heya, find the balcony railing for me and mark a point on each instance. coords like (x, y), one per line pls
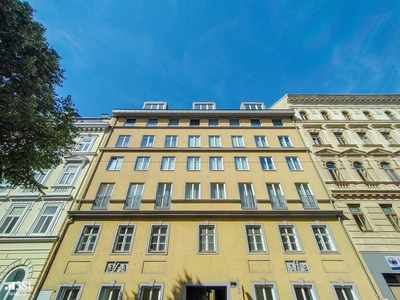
(101, 201)
(309, 201)
(248, 201)
(162, 201)
(133, 201)
(278, 202)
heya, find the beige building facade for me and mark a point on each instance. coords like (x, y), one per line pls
(30, 221)
(355, 143)
(205, 203)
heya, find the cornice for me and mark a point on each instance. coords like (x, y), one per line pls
(186, 149)
(359, 99)
(27, 239)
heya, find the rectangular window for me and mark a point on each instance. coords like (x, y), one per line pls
(216, 163)
(142, 163)
(88, 239)
(46, 218)
(316, 139)
(194, 122)
(285, 141)
(147, 141)
(150, 292)
(84, 144)
(241, 163)
(103, 195)
(130, 122)
(267, 163)
(323, 237)
(155, 105)
(264, 291)
(339, 137)
(158, 239)
(391, 216)
(41, 176)
(69, 174)
(13, 217)
(66, 292)
(152, 122)
(293, 163)
(203, 105)
(123, 141)
(115, 163)
(124, 239)
(207, 238)
(193, 163)
(134, 195)
(260, 141)
(213, 122)
(306, 196)
(252, 106)
(277, 122)
(246, 194)
(345, 291)
(234, 122)
(217, 190)
(289, 238)
(275, 194)
(214, 141)
(359, 217)
(364, 138)
(194, 141)
(304, 292)
(192, 191)
(237, 141)
(173, 122)
(255, 238)
(255, 122)
(163, 195)
(388, 137)
(168, 163)
(171, 141)
(110, 292)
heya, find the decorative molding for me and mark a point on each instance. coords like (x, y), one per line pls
(293, 266)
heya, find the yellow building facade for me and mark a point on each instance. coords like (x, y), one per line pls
(30, 221)
(205, 203)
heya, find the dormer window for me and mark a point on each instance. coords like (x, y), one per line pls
(252, 105)
(203, 105)
(155, 105)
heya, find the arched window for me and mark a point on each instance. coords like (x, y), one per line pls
(361, 171)
(304, 116)
(10, 285)
(333, 171)
(390, 172)
(325, 115)
(390, 115)
(346, 115)
(368, 115)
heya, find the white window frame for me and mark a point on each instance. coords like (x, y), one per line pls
(265, 284)
(322, 239)
(364, 138)
(167, 163)
(123, 141)
(60, 295)
(115, 163)
(360, 218)
(203, 105)
(302, 285)
(42, 175)
(9, 217)
(252, 105)
(11, 283)
(121, 232)
(85, 143)
(193, 163)
(163, 195)
(70, 178)
(306, 195)
(340, 138)
(142, 163)
(316, 138)
(255, 238)
(241, 163)
(345, 285)
(237, 141)
(194, 141)
(113, 286)
(45, 217)
(219, 193)
(134, 195)
(246, 195)
(192, 190)
(289, 238)
(210, 238)
(214, 141)
(103, 196)
(276, 192)
(261, 141)
(154, 105)
(267, 163)
(285, 141)
(147, 141)
(90, 235)
(216, 163)
(171, 141)
(152, 285)
(159, 237)
(293, 163)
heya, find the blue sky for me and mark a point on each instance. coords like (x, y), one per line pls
(118, 54)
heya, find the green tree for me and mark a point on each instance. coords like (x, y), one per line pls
(36, 125)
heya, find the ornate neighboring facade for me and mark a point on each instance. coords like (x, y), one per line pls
(355, 143)
(30, 221)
